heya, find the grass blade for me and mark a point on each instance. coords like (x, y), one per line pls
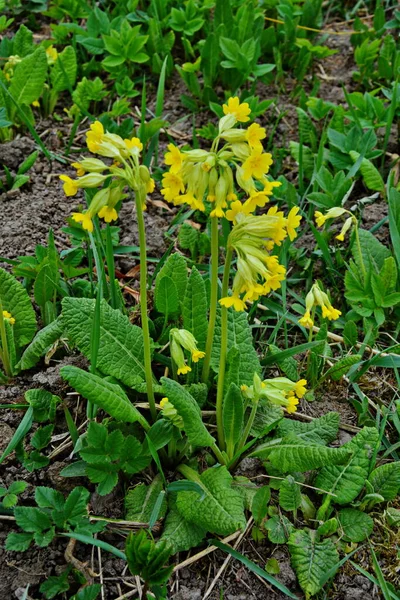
(19, 434)
(254, 568)
(86, 539)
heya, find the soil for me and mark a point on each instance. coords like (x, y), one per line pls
(29, 213)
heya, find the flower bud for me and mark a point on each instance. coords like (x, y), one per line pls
(234, 135)
(227, 122)
(144, 174)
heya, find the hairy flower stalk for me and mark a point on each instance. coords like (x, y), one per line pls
(125, 171)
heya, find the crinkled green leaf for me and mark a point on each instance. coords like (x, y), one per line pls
(295, 454)
(194, 309)
(356, 525)
(289, 494)
(259, 505)
(342, 366)
(189, 410)
(108, 396)
(29, 77)
(175, 268)
(63, 73)
(16, 301)
(121, 344)
(348, 480)
(311, 559)
(140, 501)
(232, 415)
(372, 250)
(240, 337)
(279, 529)
(322, 430)
(371, 176)
(385, 480)
(178, 532)
(220, 510)
(40, 344)
(166, 297)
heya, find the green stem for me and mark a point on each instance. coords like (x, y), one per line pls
(111, 267)
(188, 473)
(359, 251)
(224, 349)
(248, 427)
(4, 344)
(213, 298)
(139, 197)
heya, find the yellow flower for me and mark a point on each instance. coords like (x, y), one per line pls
(94, 137)
(256, 199)
(240, 111)
(163, 402)
(306, 320)
(36, 103)
(150, 186)
(254, 134)
(300, 388)
(108, 213)
(79, 169)
(197, 354)
(234, 209)
(328, 312)
(51, 54)
(292, 404)
(7, 315)
(85, 219)
(183, 370)
(70, 186)
(292, 222)
(190, 198)
(234, 301)
(133, 143)
(174, 158)
(172, 186)
(319, 218)
(257, 164)
(346, 226)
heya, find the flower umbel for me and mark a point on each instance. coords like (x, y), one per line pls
(317, 297)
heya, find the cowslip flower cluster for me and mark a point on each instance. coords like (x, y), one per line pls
(8, 317)
(316, 297)
(198, 177)
(125, 170)
(334, 213)
(181, 340)
(252, 238)
(280, 391)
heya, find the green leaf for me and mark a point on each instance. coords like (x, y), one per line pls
(385, 480)
(106, 395)
(194, 308)
(350, 333)
(55, 585)
(347, 481)
(189, 410)
(342, 366)
(63, 73)
(140, 501)
(175, 268)
(31, 519)
(279, 529)
(322, 430)
(49, 498)
(371, 176)
(16, 301)
(311, 559)
(29, 77)
(220, 510)
(232, 416)
(328, 528)
(19, 434)
(393, 516)
(23, 42)
(18, 542)
(394, 222)
(356, 525)
(289, 494)
(373, 252)
(40, 344)
(88, 593)
(178, 532)
(239, 337)
(42, 436)
(121, 344)
(287, 365)
(166, 297)
(259, 505)
(43, 403)
(295, 454)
